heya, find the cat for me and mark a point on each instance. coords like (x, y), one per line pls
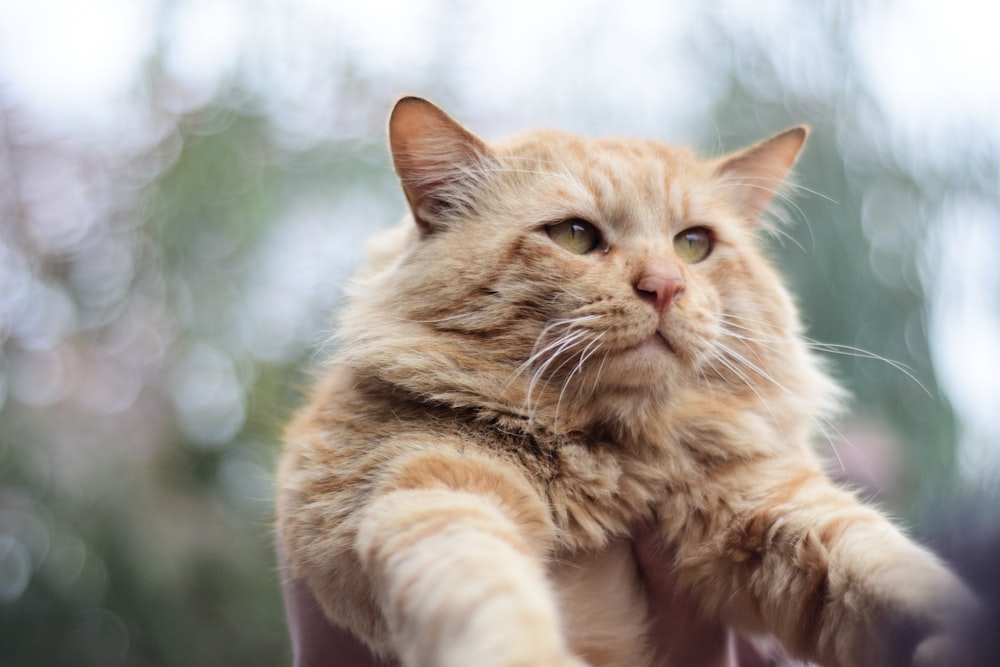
(566, 338)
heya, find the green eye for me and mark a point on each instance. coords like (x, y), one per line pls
(694, 244)
(577, 236)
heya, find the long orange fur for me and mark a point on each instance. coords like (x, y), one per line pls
(460, 487)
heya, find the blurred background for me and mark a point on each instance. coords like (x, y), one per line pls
(186, 184)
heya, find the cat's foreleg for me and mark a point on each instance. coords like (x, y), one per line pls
(830, 577)
(458, 582)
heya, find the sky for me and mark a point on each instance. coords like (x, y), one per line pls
(935, 68)
(936, 64)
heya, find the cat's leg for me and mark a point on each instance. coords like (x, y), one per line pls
(458, 569)
(830, 577)
(605, 608)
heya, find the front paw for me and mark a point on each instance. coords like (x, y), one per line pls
(945, 651)
(565, 660)
(929, 624)
(949, 643)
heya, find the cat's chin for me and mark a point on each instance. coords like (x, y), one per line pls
(642, 365)
(657, 343)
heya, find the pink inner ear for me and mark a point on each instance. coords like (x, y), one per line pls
(756, 174)
(432, 154)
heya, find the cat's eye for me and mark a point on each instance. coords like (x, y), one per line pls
(694, 244)
(576, 235)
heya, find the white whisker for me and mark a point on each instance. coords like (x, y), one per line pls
(732, 366)
(560, 342)
(585, 354)
(552, 352)
(831, 348)
(859, 353)
(739, 358)
(443, 319)
(777, 190)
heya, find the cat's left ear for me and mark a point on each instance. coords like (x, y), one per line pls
(753, 176)
(438, 161)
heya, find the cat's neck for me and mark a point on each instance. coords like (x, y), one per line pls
(625, 417)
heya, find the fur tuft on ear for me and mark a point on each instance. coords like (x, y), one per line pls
(753, 176)
(437, 160)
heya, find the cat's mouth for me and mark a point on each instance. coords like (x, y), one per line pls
(658, 341)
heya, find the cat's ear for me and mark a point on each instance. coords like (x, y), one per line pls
(437, 160)
(753, 176)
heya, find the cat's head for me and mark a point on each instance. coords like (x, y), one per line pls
(550, 273)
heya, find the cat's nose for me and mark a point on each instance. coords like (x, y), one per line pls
(661, 286)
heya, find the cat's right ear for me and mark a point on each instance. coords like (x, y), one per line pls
(438, 161)
(753, 176)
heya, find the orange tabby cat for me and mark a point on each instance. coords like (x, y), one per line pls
(566, 338)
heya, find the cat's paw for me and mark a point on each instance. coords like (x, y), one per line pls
(944, 651)
(558, 661)
(927, 625)
(568, 661)
(948, 644)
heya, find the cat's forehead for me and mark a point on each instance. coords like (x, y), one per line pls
(622, 179)
(569, 151)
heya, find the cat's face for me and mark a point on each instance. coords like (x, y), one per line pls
(566, 267)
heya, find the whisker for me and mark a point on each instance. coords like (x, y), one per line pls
(746, 340)
(751, 366)
(860, 353)
(756, 337)
(561, 342)
(536, 352)
(600, 369)
(822, 426)
(557, 348)
(585, 354)
(746, 381)
(443, 319)
(831, 348)
(778, 192)
(784, 184)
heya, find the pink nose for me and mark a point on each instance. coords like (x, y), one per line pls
(661, 286)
